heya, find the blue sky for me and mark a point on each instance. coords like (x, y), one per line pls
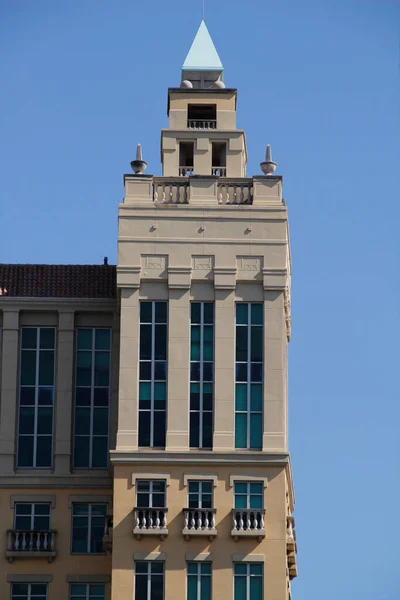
(83, 82)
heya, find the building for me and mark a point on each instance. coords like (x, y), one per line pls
(143, 415)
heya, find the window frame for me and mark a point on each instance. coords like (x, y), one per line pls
(201, 382)
(153, 381)
(29, 594)
(92, 388)
(249, 381)
(200, 493)
(149, 574)
(88, 595)
(248, 494)
(151, 492)
(248, 576)
(89, 528)
(32, 515)
(198, 577)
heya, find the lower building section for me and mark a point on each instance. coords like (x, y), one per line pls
(52, 544)
(199, 532)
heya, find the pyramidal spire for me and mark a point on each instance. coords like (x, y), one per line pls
(203, 55)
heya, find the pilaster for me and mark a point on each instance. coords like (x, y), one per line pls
(64, 392)
(9, 389)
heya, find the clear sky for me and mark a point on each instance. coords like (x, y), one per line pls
(83, 82)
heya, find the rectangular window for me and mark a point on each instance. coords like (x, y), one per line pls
(248, 581)
(29, 591)
(249, 376)
(200, 494)
(199, 581)
(36, 397)
(149, 580)
(88, 528)
(249, 495)
(150, 494)
(153, 374)
(87, 591)
(92, 398)
(32, 517)
(201, 375)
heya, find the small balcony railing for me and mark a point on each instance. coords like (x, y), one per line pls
(150, 521)
(218, 171)
(186, 171)
(235, 191)
(200, 124)
(108, 534)
(248, 523)
(171, 190)
(30, 544)
(199, 522)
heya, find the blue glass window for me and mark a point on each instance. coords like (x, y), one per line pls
(149, 580)
(201, 375)
(88, 528)
(248, 581)
(198, 581)
(87, 591)
(92, 398)
(29, 591)
(153, 374)
(249, 376)
(36, 397)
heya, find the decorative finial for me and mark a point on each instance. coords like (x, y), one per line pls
(268, 166)
(139, 165)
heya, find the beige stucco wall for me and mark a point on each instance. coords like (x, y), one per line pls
(64, 563)
(272, 548)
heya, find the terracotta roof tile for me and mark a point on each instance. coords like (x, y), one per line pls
(58, 281)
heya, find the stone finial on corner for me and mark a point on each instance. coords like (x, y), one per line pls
(268, 166)
(139, 165)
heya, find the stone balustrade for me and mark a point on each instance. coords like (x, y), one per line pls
(150, 521)
(248, 522)
(199, 521)
(31, 543)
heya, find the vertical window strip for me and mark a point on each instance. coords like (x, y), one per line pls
(199, 581)
(88, 528)
(249, 376)
(149, 580)
(36, 398)
(153, 374)
(92, 397)
(248, 580)
(202, 375)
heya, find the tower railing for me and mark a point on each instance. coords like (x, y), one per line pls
(176, 190)
(200, 124)
(218, 171)
(235, 191)
(171, 190)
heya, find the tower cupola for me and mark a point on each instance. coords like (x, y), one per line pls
(202, 68)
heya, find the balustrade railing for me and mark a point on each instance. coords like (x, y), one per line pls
(150, 519)
(186, 171)
(218, 171)
(248, 520)
(200, 124)
(235, 192)
(199, 519)
(31, 541)
(171, 191)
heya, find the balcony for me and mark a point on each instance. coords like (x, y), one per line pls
(31, 544)
(199, 522)
(108, 534)
(150, 521)
(201, 124)
(218, 171)
(248, 523)
(291, 547)
(176, 190)
(186, 171)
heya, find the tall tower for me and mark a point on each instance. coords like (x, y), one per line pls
(203, 495)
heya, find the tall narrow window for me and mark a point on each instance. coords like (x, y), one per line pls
(92, 398)
(201, 375)
(149, 580)
(249, 376)
(199, 581)
(29, 591)
(153, 374)
(248, 581)
(88, 528)
(87, 591)
(36, 397)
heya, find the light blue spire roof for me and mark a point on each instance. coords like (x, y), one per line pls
(203, 55)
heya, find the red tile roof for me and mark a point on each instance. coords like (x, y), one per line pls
(58, 281)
